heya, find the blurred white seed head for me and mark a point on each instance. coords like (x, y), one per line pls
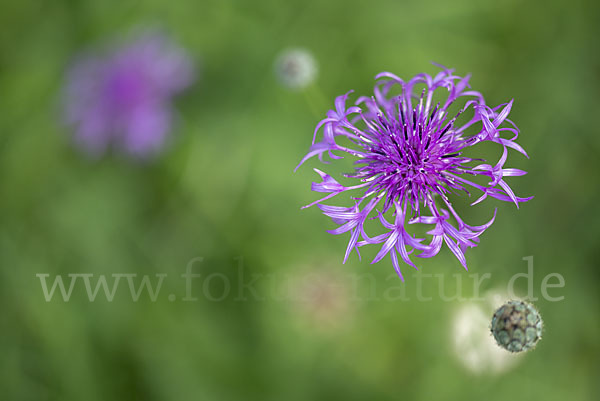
(296, 68)
(473, 344)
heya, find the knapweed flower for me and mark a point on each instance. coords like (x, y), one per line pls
(121, 98)
(517, 326)
(411, 154)
(296, 68)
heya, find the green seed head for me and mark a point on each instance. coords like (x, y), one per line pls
(517, 326)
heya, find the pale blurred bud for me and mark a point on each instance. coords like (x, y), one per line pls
(296, 68)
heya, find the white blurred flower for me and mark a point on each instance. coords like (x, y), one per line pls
(296, 68)
(472, 340)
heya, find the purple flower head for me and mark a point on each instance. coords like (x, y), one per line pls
(121, 98)
(410, 141)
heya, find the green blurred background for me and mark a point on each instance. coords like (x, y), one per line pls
(225, 191)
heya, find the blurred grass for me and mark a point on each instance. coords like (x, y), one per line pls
(225, 190)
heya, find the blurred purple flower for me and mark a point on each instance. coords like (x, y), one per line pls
(409, 158)
(122, 97)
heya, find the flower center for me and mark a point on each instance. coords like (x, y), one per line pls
(409, 157)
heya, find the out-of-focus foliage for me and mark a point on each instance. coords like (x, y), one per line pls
(277, 316)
